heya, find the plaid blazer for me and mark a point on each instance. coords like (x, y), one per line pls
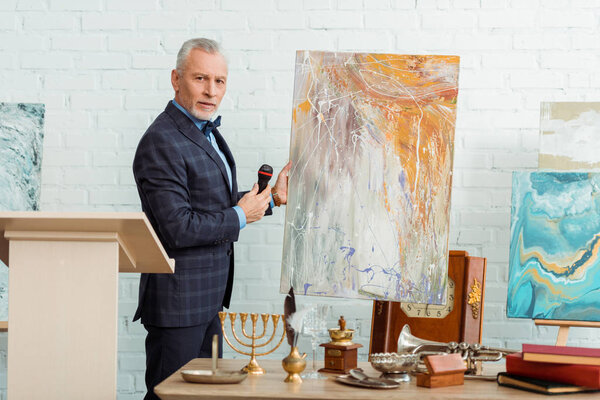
(184, 191)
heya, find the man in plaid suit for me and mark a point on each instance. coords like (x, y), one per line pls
(186, 179)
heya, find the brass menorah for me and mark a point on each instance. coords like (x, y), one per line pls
(252, 367)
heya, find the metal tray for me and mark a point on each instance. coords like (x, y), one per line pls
(207, 376)
(372, 383)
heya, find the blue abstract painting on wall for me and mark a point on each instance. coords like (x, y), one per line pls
(554, 250)
(21, 136)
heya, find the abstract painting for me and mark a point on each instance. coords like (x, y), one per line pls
(554, 268)
(21, 136)
(570, 136)
(369, 191)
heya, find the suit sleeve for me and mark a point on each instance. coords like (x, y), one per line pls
(161, 177)
(240, 195)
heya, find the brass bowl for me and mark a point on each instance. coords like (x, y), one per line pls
(340, 337)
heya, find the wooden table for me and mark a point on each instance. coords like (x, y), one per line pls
(271, 386)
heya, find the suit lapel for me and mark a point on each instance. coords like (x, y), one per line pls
(191, 131)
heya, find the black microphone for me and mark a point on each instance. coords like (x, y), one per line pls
(265, 172)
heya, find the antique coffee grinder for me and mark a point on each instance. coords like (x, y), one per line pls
(340, 353)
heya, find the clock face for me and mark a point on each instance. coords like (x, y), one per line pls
(431, 310)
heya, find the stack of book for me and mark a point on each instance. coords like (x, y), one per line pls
(553, 369)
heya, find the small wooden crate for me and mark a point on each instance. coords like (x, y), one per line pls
(443, 370)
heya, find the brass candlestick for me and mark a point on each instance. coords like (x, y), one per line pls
(252, 367)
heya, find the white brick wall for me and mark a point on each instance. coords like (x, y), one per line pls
(102, 68)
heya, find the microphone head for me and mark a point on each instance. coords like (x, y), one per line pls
(266, 169)
(265, 172)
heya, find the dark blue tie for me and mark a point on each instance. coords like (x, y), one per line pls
(210, 125)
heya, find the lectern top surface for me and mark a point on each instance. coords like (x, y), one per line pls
(137, 239)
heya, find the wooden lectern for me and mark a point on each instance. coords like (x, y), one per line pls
(63, 298)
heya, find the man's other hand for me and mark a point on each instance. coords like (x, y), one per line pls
(281, 185)
(255, 204)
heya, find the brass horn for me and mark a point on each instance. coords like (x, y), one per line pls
(408, 343)
(473, 354)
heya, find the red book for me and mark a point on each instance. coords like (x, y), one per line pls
(561, 350)
(580, 375)
(561, 354)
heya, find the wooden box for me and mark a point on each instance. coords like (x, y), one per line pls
(443, 370)
(340, 359)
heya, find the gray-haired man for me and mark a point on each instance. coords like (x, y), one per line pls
(186, 179)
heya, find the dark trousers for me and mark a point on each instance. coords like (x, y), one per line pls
(168, 349)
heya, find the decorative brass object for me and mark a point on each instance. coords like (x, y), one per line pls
(473, 354)
(341, 336)
(293, 364)
(475, 298)
(215, 375)
(341, 354)
(252, 368)
(334, 353)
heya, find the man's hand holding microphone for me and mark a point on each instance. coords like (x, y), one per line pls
(256, 201)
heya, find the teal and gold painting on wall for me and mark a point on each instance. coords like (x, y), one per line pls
(555, 242)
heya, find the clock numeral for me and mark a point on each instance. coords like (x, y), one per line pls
(415, 310)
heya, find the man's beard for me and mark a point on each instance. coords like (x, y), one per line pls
(197, 114)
